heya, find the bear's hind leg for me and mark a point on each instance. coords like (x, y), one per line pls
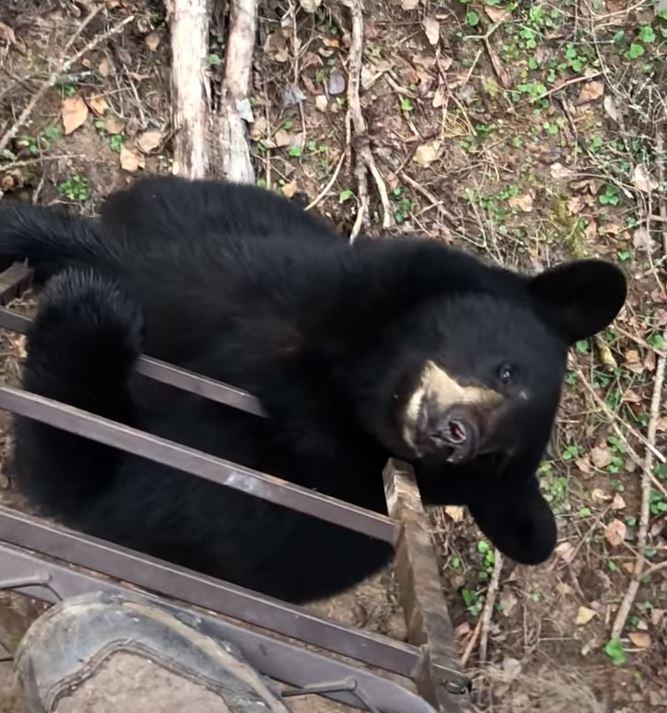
(82, 348)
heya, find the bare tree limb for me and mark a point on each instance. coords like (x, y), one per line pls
(189, 21)
(235, 105)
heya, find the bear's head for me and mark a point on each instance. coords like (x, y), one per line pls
(466, 384)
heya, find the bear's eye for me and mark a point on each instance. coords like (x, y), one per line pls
(506, 374)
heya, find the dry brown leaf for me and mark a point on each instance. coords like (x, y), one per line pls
(575, 205)
(591, 91)
(310, 5)
(599, 496)
(584, 464)
(282, 138)
(584, 615)
(615, 532)
(610, 107)
(439, 97)
(456, 512)
(560, 172)
(275, 46)
(565, 552)
(131, 160)
(98, 105)
(462, 630)
(74, 112)
(432, 29)
(321, 102)
(642, 179)
(149, 140)
(497, 14)
(427, 153)
(523, 203)
(617, 503)
(641, 240)
(606, 357)
(152, 41)
(7, 34)
(113, 125)
(104, 68)
(289, 189)
(640, 639)
(408, 5)
(601, 456)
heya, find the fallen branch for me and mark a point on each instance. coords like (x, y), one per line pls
(642, 534)
(489, 603)
(364, 160)
(64, 66)
(235, 104)
(189, 23)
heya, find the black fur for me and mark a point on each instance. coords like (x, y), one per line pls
(242, 286)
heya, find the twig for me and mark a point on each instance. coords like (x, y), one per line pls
(430, 197)
(236, 162)
(64, 66)
(472, 642)
(365, 162)
(574, 80)
(615, 417)
(324, 192)
(489, 602)
(642, 534)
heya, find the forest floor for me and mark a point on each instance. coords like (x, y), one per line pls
(529, 132)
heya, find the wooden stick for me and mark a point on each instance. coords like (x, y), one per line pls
(189, 20)
(235, 153)
(642, 534)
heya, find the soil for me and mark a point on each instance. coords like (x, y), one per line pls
(527, 132)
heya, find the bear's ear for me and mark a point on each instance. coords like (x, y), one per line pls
(579, 298)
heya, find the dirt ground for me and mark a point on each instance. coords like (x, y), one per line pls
(528, 131)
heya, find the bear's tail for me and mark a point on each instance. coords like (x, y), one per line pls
(48, 239)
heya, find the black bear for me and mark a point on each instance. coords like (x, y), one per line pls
(393, 346)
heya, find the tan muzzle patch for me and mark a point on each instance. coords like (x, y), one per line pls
(441, 391)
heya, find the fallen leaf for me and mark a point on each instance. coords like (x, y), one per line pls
(584, 615)
(610, 107)
(275, 46)
(104, 68)
(113, 125)
(497, 14)
(336, 84)
(584, 464)
(424, 61)
(565, 552)
(599, 496)
(149, 140)
(432, 29)
(615, 532)
(640, 639)
(132, 127)
(606, 357)
(641, 240)
(456, 512)
(601, 456)
(590, 91)
(439, 97)
(642, 179)
(292, 95)
(617, 503)
(152, 41)
(74, 112)
(310, 5)
(462, 630)
(7, 34)
(282, 138)
(98, 105)
(575, 205)
(130, 160)
(523, 203)
(289, 189)
(321, 102)
(508, 601)
(409, 4)
(427, 153)
(560, 172)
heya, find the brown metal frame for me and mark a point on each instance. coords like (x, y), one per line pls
(28, 547)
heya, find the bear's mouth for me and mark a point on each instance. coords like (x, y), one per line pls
(453, 436)
(443, 419)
